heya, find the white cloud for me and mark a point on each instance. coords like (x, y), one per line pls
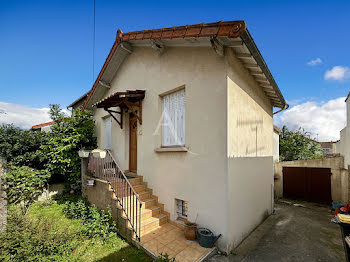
(324, 119)
(315, 62)
(23, 116)
(337, 73)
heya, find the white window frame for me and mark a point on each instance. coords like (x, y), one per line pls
(107, 129)
(174, 118)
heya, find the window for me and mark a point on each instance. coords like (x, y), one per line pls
(181, 208)
(173, 119)
(108, 132)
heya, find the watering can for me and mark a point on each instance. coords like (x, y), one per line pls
(206, 238)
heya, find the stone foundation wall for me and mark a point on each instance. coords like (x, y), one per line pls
(101, 195)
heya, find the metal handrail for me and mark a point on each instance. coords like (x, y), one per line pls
(108, 169)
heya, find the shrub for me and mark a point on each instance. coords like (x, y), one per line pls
(27, 239)
(297, 145)
(95, 223)
(68, 135)
(22, 147)
(23, 185)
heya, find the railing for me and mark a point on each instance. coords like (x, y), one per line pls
(108, 169)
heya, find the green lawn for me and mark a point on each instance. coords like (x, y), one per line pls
(85, 248)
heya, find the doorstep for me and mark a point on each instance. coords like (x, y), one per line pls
(170, 239)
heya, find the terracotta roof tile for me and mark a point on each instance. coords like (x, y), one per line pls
(44, 124)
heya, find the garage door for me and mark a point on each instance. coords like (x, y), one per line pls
(307, 183)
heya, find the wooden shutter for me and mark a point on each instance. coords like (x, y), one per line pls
(108, 132)
(173, 124)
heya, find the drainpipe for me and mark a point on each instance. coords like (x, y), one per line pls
(284, 108)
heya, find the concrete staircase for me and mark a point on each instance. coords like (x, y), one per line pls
(152, 212)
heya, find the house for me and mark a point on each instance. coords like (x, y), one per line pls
(327, 147)
(46, 127)
(78, 103)
(343, 145)
(188, 111)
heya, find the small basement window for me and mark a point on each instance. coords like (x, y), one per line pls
(181, 208)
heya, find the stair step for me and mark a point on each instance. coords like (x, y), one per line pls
(145, 194)
(153, 222)
(136, 181)
(146, 213)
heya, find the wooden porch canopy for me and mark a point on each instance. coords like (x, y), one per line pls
(130, 100)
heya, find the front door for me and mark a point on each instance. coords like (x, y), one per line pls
(133, 143)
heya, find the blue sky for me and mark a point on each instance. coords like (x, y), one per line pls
(46, 46)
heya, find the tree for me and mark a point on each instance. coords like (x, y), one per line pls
(68, 135)
(297, 145)
(22, 147)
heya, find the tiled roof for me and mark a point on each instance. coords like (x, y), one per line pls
(229, 29)
(44, 124)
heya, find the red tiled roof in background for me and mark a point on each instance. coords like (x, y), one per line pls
(44, 124)
(231, 29)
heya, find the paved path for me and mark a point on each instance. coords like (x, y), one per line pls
(294, 233)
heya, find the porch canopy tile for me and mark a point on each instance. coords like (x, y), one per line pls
(124, 100)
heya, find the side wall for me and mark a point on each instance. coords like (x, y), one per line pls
(250, 195)
(249, 152)
(339, 179)
(343, 145)
(276, 147)
(250, 122)
(198, 176)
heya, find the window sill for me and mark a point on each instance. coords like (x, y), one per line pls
(171, 149)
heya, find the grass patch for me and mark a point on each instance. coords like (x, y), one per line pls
(47, 225)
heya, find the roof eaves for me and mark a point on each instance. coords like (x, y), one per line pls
(249, 42)
(79, 99)
(231, 29)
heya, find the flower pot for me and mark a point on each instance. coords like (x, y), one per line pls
(190, 231)
(99, 153)
(84, 153)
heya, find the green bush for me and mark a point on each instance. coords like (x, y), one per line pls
(95, 223)
(68, 135)
(56, 151)
(297, 145)
(23, 185)
(22, 147)
(29, 239)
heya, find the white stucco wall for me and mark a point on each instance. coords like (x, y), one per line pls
(198, 176)
(250, 195)
(276, 147)
(249, 152)
(227, 116)
(343, 145)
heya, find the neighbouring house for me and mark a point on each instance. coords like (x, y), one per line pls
(187, 114)
(46, 127)
(276, 144)
(78, 103)
(328, 148)
(343, 145)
